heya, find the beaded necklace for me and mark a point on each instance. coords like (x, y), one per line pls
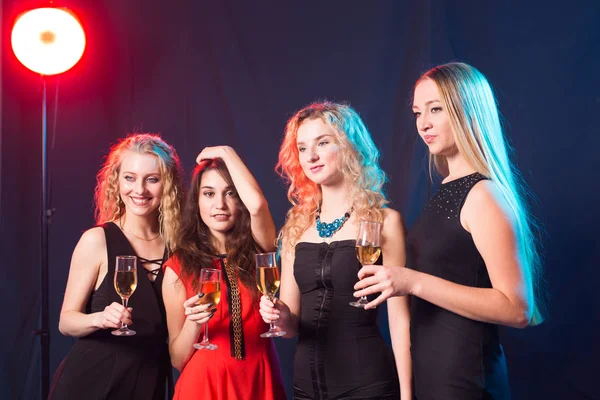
(327, 230)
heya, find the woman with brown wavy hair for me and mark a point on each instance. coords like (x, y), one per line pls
(225, 222)
(137, 211)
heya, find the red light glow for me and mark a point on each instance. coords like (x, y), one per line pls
(48, 41)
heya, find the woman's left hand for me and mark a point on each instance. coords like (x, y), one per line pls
(198, 313)
(209, 153)
(389, 281)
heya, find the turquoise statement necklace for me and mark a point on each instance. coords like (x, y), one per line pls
(327, 230)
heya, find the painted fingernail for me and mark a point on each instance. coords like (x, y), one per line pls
(211, 315)
(213, 310)
(200, 295)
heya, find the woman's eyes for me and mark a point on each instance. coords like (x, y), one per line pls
(433, 110)
(229, 193)
(322, 143)
(151, 179)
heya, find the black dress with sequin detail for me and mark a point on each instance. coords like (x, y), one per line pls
(101, 366)
(453, 357)
(340, 353)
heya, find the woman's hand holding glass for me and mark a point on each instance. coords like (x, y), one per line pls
(125, 282)
(198, 313)
(368, 250)
(210, 295)
(113, 316)
(267, 281)
(273, 311)
(386, 281)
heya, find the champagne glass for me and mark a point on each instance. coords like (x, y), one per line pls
(267, 280)
(210, 288)
(125, 284)
(368, 249)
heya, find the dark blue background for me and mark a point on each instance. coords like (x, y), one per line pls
(231, 72)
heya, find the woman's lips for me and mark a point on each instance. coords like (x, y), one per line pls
(221, 217)
(429, 138)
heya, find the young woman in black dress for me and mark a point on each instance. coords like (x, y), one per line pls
(331, 164)
(471, 257)
(137, 198)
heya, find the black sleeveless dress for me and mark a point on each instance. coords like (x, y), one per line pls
(453, 357)
(103, 366)
(340, 353)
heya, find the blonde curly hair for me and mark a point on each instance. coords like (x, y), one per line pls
(359, 164)
(108, 204)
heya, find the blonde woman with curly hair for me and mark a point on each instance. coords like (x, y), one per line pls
(331, 164)
(471, 254)
(137, 198)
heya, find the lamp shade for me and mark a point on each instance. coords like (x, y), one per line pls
(48, 41)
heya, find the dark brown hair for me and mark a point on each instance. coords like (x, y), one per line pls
(195, 243)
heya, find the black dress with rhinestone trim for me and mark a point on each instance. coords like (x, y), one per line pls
(340, 352)
(101, 366)
(453, 357)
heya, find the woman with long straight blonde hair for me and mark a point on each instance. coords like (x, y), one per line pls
(472, 262)
(332, 167)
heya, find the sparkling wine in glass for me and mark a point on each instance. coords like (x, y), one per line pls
(210, 288)
(125, 284)
(368, 250)
(268, 281)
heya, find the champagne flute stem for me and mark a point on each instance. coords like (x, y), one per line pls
(272, 324)
(205, 339)
(125, 301)
(363, 299)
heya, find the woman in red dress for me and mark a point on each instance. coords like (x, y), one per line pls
(225, 222)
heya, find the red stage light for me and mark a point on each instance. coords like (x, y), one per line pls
(48, 41)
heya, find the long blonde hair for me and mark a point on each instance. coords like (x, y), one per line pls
(469, 100)
(110, 207)
(359, 165)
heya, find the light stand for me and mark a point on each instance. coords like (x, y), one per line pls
(46, 215)
(48, 41)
